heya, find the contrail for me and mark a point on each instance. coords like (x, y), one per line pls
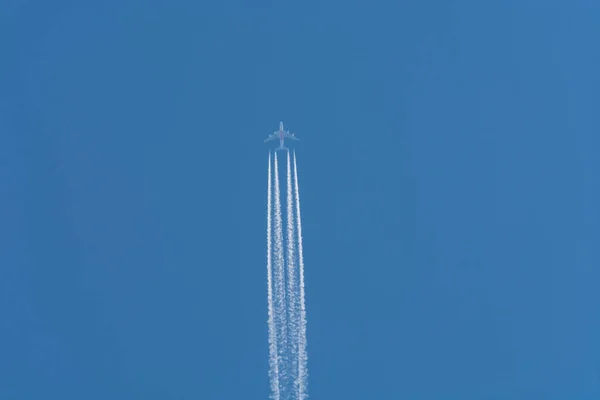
(302, 356)
(273, 357)
(280, 309)
(288, 371)
(291, 281)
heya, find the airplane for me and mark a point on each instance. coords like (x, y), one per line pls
(281, 135)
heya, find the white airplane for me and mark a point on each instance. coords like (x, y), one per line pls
(281, 135)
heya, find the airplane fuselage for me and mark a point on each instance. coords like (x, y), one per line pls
(281, 138)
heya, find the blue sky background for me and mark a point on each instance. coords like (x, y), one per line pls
(449, 184)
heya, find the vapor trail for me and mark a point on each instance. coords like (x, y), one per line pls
(291, 281)
(273, 357)
(302, 355)
(280, 309)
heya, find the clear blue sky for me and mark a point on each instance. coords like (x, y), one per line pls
(449, 178)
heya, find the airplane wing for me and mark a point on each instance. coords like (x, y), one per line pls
(272, 136)
(290, 136)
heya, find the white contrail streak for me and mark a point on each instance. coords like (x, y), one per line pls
(273, 357)
(288, 371)
(291, 281)
(280, 309)
(302, 355)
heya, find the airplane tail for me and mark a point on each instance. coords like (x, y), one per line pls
(281, 148)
